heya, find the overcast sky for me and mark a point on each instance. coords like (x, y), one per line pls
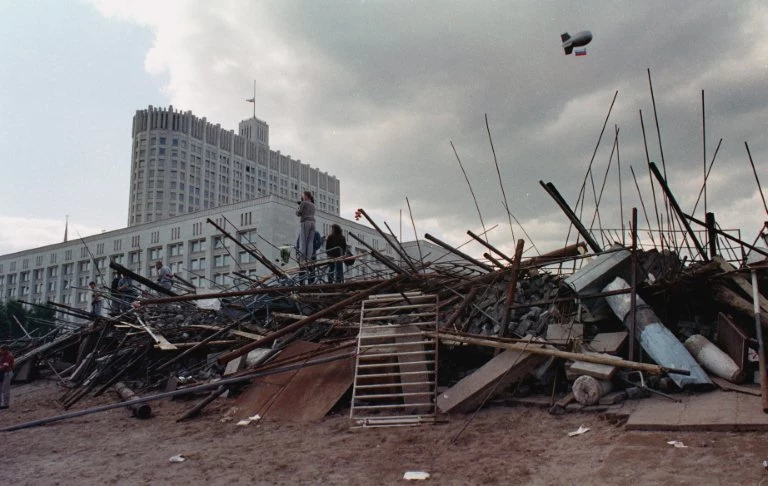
(374, 93)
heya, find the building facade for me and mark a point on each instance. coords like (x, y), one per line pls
(181, 164)
(193, 248)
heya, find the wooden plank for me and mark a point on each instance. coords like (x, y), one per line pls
(245, 334)
(713, 411)
(302, 395)
(163, 343)
(313, 391)
(726, 385)
(502, 370)
(258, 397)
(599, 371)
(234, 366)
(562, 333)
(608, 342)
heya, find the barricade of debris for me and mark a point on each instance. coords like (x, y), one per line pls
(584, 323)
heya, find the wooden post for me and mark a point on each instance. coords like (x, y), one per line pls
(633, 296)
(760, 344)
(511, 287)
(140, 410)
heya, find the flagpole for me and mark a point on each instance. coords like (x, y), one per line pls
(254, 98)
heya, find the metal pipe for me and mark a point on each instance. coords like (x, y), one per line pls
(633, 295)
(456, 252)
(553, 192)
(160, 396)
(676, 208)
(489, 246)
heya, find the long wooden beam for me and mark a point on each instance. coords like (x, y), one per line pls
(589, 358)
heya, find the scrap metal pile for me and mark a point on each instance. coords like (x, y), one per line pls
(559, 325)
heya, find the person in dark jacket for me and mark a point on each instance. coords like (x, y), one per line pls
(6, 374)
(336, 247)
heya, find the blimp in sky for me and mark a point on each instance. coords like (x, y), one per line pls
(579, 39)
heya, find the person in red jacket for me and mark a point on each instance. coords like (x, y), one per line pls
(6, 370)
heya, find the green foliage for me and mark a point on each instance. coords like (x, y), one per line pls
(10, 330)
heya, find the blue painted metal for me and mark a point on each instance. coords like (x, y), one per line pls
(657, 341)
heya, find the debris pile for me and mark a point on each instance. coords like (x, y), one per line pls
(413, 340)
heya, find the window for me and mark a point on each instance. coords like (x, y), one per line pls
(100, 248)
(83, 252)
(176, 250)
(248, 238)
(68, 268)
(53, 272)
(218, 242)
(52, 260)
(221, 260)
(84, 266)
(52, 286)
(117, 245)
(196, 246)
(220, 277)
(155, 254)
(197, 264)
(134, 257)
(246, 257)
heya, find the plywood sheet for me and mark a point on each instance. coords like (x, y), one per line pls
(302, 395)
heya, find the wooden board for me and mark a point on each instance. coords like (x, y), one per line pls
(298, 395)
(715, 411)
(599, 371)
(506, 368)
(562, 333)
(313, 391)
(608, 342)
(726, 385)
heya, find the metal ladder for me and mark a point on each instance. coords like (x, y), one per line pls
(396, 366)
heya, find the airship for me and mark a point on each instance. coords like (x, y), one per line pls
(579, 39)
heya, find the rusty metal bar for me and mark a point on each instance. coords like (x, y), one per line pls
(489, 246)
(677, 210)
(383, 235)
(711, 233)
(553, 192)
(378, 256)
(633, 283)
(175, 393)
(261, 258)
(456, 252)
(242, 293)
(511, 287)
(490, 258)
(727, 236)
(462, 307)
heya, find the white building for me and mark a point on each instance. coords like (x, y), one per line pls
(192, 247)
(181, 164)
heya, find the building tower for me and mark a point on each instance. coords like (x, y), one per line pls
(182, 164)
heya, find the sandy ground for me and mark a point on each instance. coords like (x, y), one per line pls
(499, 445)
